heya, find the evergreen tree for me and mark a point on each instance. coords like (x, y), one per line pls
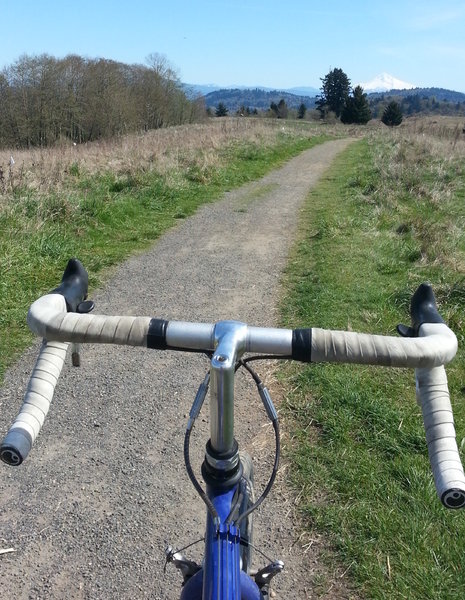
(279, 110)
(222, 110)
(392, 114)
(301, 112)
(334, 92)
(282, 109)
(356, 108)
(274, 109)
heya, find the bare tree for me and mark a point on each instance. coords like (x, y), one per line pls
(43, 99)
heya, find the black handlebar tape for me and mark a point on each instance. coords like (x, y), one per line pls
(423, 308)
(156, 335)
(74, 284)
(302, 345)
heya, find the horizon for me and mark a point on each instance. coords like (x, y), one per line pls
(221, 41)
(214, 87)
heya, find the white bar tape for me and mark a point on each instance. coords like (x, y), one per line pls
(39, 394)
(48, 318)
(433, 397)
(437, 348)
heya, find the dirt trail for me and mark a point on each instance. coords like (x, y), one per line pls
(104, 489)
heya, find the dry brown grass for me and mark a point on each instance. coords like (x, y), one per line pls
(421, 145)
(163, 150)
(448, 129)
(419, 181)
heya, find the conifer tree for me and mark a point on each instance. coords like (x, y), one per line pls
(392, 114)
(356, 108)
(301, 112)
(334, 92)
(222, 110)
(282, 109)
(274, 109)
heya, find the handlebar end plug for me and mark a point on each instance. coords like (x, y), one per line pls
(15, 447)
(453, 498)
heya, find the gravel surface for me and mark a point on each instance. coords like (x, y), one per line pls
(104, 490)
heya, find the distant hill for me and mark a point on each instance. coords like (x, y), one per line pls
(413, 101)
(303, 91)
(440, 94)
(427, 101)
(193, 90)
(255, 99)
(196, 89)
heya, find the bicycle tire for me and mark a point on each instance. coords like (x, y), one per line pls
(248, 499)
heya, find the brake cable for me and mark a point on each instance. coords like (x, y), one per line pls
(272, 415)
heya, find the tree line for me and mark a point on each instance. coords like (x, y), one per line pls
(337, 99)
(278, 110)
(351, 106)
(44, 99)
(413, 104)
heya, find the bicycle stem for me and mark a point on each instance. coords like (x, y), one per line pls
(230, 343)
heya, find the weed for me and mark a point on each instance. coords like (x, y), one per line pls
(74, 169)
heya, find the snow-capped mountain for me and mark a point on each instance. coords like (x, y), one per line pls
(385, 82)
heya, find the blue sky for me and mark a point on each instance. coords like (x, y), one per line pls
(273, 43)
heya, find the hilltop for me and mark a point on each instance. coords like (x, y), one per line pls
(257, 98)
(414, 100)
(426, 101)
(440, 94)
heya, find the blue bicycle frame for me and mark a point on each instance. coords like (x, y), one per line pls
(221, 578)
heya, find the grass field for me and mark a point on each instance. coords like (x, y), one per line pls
(101, 202)
(388, 216)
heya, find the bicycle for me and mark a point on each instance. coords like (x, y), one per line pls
(63, 317)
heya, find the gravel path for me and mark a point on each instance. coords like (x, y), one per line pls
(104, 490)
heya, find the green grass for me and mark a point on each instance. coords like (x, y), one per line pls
(383, 220)
(103, 218)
